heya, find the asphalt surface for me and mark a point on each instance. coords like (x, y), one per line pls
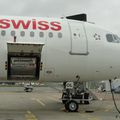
(44, 104)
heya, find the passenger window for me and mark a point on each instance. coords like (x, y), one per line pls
(59, 35)
(12, 33)
(3, 32)
(41, 34)
(50, 34)
(31, 34)
(22, 33)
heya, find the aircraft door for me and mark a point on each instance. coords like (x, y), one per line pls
(78, 39)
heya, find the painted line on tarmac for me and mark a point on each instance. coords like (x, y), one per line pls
(30, 116)
(89, 117)
(8, 92)
(54, 99)
(108, 108)
(62, 109)
(38, 101)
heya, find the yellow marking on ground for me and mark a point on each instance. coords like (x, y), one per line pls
(28, 112)
(30, 116)
(93, 118)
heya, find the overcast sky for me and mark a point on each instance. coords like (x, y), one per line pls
(105, 13)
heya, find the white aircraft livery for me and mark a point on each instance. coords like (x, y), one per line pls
(49, 49)
(57, 50)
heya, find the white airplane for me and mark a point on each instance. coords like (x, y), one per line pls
(57, 50)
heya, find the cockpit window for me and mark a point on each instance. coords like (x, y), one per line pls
(113, 38)
(109, 38)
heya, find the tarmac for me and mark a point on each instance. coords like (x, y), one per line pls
(44, 103)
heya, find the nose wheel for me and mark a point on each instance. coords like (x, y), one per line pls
(71, 106)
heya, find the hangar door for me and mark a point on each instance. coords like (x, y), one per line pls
(24, 61)
(78, 39)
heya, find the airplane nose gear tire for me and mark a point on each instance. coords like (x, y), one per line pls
(71, 106)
